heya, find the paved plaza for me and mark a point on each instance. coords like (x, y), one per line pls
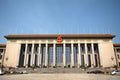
(60, 76)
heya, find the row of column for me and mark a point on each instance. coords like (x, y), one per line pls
(39, 62)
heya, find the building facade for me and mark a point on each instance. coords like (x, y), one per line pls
(117, 53)
(63, 50)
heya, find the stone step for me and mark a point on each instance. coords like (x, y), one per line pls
(56, 70)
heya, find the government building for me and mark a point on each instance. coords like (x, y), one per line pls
(60, 50)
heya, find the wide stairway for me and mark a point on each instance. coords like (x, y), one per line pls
(55, 70)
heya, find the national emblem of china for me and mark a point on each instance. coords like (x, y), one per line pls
(59, 39)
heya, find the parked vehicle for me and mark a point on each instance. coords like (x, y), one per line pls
(95, 71)
(1, 72)
(115, 72)
(16, 71)
(20, 72)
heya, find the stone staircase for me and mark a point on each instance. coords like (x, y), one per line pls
(58, 70)
(55, 70)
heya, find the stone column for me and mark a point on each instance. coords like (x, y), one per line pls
(39, 55)
(100, 55)
(27, 60)
(93, 55)
(18, 57)
(72, 56)
(33, 61)
(64, 55)
(46, 54)
(25, 54)
(79, 56)
(54, 56)
(86, 51)
(32, 52)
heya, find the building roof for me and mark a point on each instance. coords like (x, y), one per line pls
(116, 45)
(2, 45)
(34, 36)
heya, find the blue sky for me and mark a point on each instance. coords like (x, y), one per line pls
(60, 17)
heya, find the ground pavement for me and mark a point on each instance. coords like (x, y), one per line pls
(59, 76)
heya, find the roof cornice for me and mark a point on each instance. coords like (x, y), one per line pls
(38, 36)
(116, 45)
(2, 45)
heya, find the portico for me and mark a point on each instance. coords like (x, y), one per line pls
(59, 54)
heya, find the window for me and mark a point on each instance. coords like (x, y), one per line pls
(118, 50)
(82, 48)
(36, 48)
(95, 47)
(118, 56)
(0, 56)
(22, 48)
(29, 48)
(89, 47)
(68, 51)
(82, 60)
(1, 50)
(50, 54)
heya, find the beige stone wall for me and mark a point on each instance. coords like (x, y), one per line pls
(11, 55)
(107, 52)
